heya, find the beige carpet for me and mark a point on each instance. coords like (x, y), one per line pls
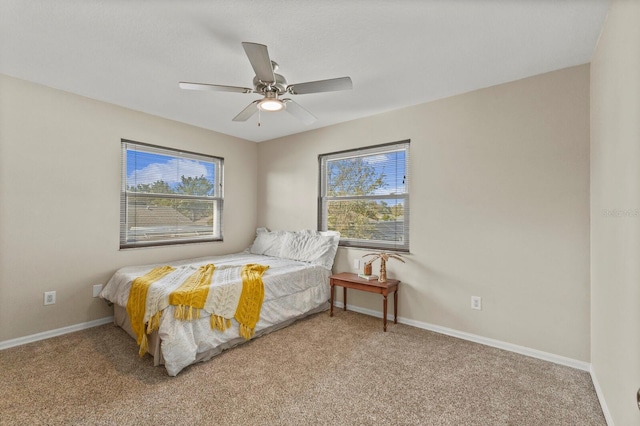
(336, 371)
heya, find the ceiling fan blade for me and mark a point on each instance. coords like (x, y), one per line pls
(260, 61)
(213, 87)
(330, 85)
(297, 111)
(246, 113)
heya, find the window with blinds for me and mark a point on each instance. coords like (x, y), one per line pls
(169, 196)
(364, 194)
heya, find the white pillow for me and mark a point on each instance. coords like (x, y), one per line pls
(307, 247)
(335, 234)
(328, 258)
(268, 243)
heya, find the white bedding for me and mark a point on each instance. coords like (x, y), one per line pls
(291, 288)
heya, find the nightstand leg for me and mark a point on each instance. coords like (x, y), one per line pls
(344, 296)
(384, 313)
(333, 292)
(395, 307)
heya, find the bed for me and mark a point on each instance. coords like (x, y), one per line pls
(296, 264)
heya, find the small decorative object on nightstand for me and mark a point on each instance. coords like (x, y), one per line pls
(384, 257)
(367, 268)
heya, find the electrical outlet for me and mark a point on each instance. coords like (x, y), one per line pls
(97, 289)
(476, 302)
(49, 297)
(356, 264)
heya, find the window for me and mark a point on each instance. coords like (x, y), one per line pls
(364, 194)
(169, 196)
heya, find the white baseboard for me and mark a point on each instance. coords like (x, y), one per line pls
(523, 350)
(53, 333)
(546, 356)
(603, 403)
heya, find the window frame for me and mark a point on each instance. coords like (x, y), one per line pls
(217, 200)
(323, 199)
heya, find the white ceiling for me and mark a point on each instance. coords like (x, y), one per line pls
(398, 53)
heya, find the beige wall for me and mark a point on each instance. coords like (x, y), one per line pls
(499, 208)
(615, 211)
(59, 201)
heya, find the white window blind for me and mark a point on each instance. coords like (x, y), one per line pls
(169, 196)
(364, 194)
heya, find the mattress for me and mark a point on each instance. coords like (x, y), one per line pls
(292, 289)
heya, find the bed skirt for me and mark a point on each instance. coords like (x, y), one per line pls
(121, 319)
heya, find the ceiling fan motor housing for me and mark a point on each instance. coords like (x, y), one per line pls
(279, 86)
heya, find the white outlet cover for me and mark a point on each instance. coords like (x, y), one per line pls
(476, 302)
(49, 297)
(97, 288)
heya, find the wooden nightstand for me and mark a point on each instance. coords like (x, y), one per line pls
(350, 280)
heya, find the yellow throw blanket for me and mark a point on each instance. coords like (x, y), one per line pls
(191, 296)
(250, 304)
(195, 295)
(137, 301)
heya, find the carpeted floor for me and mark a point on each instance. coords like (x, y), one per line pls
(331, 371)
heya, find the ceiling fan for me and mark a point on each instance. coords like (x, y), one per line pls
(273, 86)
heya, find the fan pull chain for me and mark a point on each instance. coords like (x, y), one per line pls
(259, 117)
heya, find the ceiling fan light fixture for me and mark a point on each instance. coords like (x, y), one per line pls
(271, 103)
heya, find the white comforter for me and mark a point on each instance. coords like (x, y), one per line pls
(291, 288)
